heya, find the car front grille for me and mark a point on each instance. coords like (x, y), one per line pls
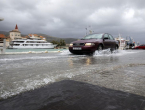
(78, 44)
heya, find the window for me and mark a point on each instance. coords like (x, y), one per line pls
(93, 36)
(111, 37)
(106, 36)
(16, 44)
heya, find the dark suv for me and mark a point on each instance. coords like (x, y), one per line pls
(90, 43)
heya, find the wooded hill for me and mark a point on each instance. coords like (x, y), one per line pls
(51, 38)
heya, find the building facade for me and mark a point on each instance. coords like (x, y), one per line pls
(15, 34)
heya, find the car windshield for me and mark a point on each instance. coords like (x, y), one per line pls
(93, 36)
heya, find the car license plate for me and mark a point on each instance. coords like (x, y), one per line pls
(77, 48)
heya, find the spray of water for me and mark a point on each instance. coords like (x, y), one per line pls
(104, 52)
(107, 52)
(65, 52)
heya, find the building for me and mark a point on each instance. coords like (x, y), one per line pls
(43, 38)
(15, 34)
(25, 37)
(35, 36)
(2, 36)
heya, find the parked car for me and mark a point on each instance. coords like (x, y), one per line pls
(90, 43)
(140, 47)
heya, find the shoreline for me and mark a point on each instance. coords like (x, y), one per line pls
(28, 51)
(32, 52)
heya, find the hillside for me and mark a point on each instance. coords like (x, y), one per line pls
(48, 37)
(51, 38)
(7, 33)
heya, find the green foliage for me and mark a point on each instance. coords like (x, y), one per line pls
(59, 43)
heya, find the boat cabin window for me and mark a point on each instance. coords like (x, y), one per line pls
(19, 41)
(16, 44)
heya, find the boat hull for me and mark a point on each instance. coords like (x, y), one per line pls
(32, 47)
(30, 44)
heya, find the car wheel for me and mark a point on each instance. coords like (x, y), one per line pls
(114, 50)
(116, 47)
(100, 48)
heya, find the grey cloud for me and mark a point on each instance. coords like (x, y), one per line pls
(69, 18)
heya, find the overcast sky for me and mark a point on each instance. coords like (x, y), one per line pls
(70, 18)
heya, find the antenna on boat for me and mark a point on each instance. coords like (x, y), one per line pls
(89, 29)
(86, 30)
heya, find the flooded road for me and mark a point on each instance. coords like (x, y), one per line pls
(62, 81)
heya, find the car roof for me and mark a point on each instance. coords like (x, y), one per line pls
(98, 33)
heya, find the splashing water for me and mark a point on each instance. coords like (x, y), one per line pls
(114, 52)
(65, 52)
(104, 52)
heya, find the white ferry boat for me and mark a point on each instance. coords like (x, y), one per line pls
(30, 43)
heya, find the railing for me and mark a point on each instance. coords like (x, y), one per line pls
(3, 46)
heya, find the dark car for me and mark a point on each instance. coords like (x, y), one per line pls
(90, 43)
(140, 47)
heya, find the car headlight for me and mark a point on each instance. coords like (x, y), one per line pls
(70, 45)
(89, 44)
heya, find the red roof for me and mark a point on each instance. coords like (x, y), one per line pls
(25, 36)
(33, 34)
(2, 36)
(16, 27)
(15, 31)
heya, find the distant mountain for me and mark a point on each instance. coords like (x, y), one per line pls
(69, 40)
(7, 33)
(51, 38)
(48, 37)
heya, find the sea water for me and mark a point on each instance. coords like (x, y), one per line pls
(11, 51)
(22, 73)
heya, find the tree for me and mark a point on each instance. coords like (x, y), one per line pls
(61, 42)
